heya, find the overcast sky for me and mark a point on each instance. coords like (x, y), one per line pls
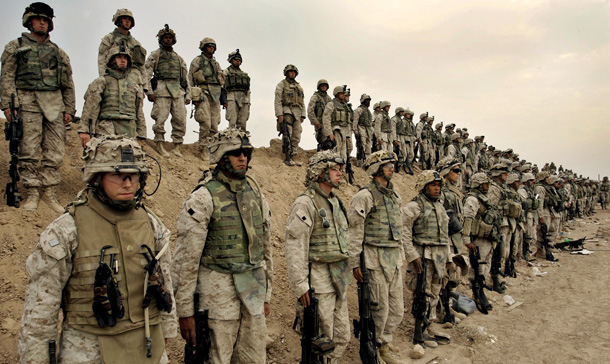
(530, 75)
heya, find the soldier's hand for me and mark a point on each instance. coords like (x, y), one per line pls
(7, 114)
(224, 106)
(187, 102)
(151, 98)
(280, 119)
(141, 142)
(84, 139)
(67, 118)
(358, 274)
(302, 118)
(471, 248)
(267, 309)
(305, 299)
(318, 126)
(541, 220)
(187, 330)
(419, 268)
(332, 137)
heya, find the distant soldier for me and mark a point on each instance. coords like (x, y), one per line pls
(167, 76)
(411, 134)
(422, 141)
(315, 109)
(290, 107)
(124, 21)
(237, 83)
(532, 202)
(520, 223)
(363, 125)
(396, 125)
(403, 140)
(336, 122)
(206, 80)
(39, 74)
(439, 142)
(383, 127)
(499, 197)
(605, 192)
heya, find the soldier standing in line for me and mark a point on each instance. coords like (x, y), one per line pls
(103, 238)
(113, 102)
(513, 182)
(421, 140)
(395, 125)
(532, 202)
(317, 247)
(411, 134)
(439, 143)
(362, 125)
(403, 140)
(206, 80)
(237, 83)
(336, 122)
(375, 228)
(383, 128)
(290, 107)
(39, 74)
(498, 196)
(605, 192)
(223, 252)
(549, 200)
(168, 90)
(124, 21)
(315, 109)
(428, 134)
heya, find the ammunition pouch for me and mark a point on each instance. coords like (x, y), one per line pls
(481, 229)
(107, 304)
(513, 210)
(196, 94)
(138, 55)
(199, 77)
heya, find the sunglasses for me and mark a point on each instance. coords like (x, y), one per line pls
(457, 170)
(237, 152)
(322, 214)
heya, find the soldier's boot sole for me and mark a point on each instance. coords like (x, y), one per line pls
(31, 202)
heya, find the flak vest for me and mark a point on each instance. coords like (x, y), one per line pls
(168, 66)
(385, 123)
(39, 66)
(381, 225)
(120, 94)
(328, 245)
(401, 127)
(410, 128)
(431, 226)
(209, 66)
(99, 225)
(321, 100)
(234, 243)
(366, 118)
(292, 94)
(138, 53)
(486, 219)
(605, 187)
(237, 80)
(340, 115)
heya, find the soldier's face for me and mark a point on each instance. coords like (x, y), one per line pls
(125, 22)
(236, 62)
(292, 74)
(335, 174)
(341, 96)
(167, 39)
(210, 49)
(504, 176)
(367, 102)
(434, 188)
(388, 169)
(40, 25)
(120, 186)
(323, 87)
(454, 174)
(239, 162)
(121, 61)
(485, 187)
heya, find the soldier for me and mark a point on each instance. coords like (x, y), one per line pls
(453, 150)
(167, 76)
(315, 110)
(546, 211)
(113, 102)
(383, 127)
(124, 21)
(39, 74)
(103, 238)
(469, 156)
(411, 134)
(513, 182)
(421, 138)
(425, 237)
(290, 107)
(237, 83)
(317, 246)
(206, 80)
(336, 122)
(483, 163)
(498, 196)
(395, 126)
(439, 142)
(427, 134)
(375, 228)
(605, 192)
(532, 202)
(447, 136)
(223, 252)
(363, 126)
(403, 141)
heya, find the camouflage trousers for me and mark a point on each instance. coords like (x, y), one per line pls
(43, 142)
(238, 341)
(79, 347)
(486, 249)
(551, 234)
(390, 309)
(207, 114)
(433, 284)
(161, 110)
(238, 112)
(387, 143)
(116, 127)
(518, 248)
(505, 231)
(366, 139)
(344, 142)
(294, 128)
(403, 146)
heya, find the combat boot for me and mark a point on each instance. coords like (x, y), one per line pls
(31, 202)
(177, 147)
(498, 286)
(48, 196)
(386, 354)
(159, 148)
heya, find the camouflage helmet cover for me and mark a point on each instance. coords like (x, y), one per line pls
(234, 55)
(116, 50)
(455, 136)
(426, 177)
(527, 177)
(409, 112)
(38, 9)
(290, 67)
(322, 82)
(438, 125)
(423, 116)
(166, 30)
(446, 164)
(319, 162)
(205, 41)
(542, 175)
(377, 159)
(384, 104)
(478, 179)
(226, 141)
(399, 109)
(376, 105)
(364, 97)
(113, 153)
(339, 89)
(512, 178)
(121, 13)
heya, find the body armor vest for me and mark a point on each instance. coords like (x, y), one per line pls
(168, 66)
(99, 225)
(431, 227)
(409, 127)
(328, 245)
(453, 200)
(532, 202)
(437, 137)
(234, 242)
(385, 122)
(400, 126)
(605, 187)
(426, 131)
(138, 53)
(487, 220)
(366, 118)
(237, 80)
(382, 225)
(119, 97)
(209, 66)
(292, 94)
(321, 100)
(340, 115)
(38, 66)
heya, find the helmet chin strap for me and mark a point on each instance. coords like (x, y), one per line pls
(326, 178)
(227, 166)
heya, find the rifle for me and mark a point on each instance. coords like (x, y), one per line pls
(365, 327)
(572, 245)
(545, 243)
(420, 307)
(313, 346)
(348, 169)
(449, 317)
(509, 265)
(359, 149)
(13, 132)
(375, 146)
(479, 283)
(52, 352)
(286, 141)
(199, 353)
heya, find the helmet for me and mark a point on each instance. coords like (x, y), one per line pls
(399, 110)
(426, 177)
(542, 175)
(226, 141)
(364, 97)
(438, 125)
(234, 55)
(553, 178)
(322, 82)
(512, 178)
(468, 141)
(455, 136)
(377, 159)
(320, 162)
(478, 179)
(339, 89)
(605, 178)
(497, 169)
(384, 104)
(431, 118)
(123, 12)
(116, 50)
(166, 30)
(205, 41)
(423, 116)
(290, 67)
(527, 177)
(113, 153)
(377, 104)
(446, 164)
(409, 112)
(38, 9)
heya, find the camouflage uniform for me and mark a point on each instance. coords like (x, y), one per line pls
(237, 83)
(336, 121)
(410, 134)
(383, 127)
(315, 109)
(605, 192)
(290, 103)
(230, 215)
(546, 210)
(363, 125)
(531, 216)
